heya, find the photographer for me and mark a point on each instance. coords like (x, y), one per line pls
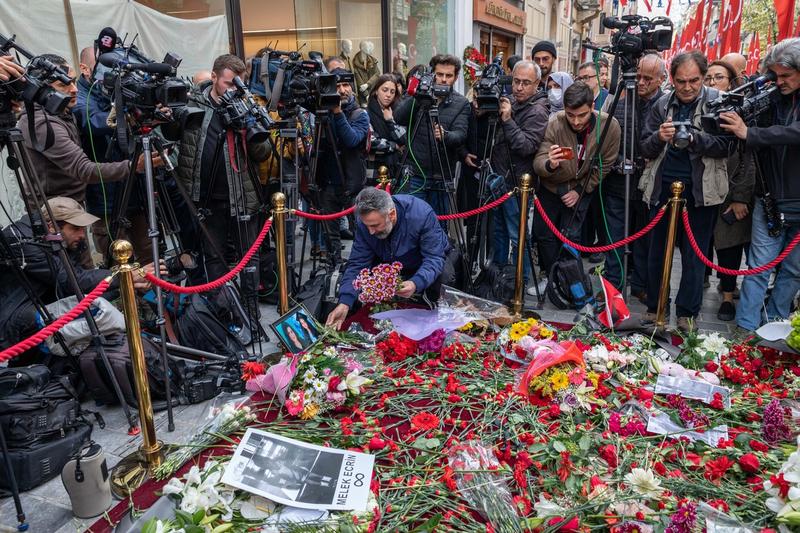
(426, 181)
(775, 139)
(677, 150)
(44, 270)
(350, 130)
(521, 127)
(650, 75)
(568, 171)
(10, 69)
(388, 135)
(219, 172)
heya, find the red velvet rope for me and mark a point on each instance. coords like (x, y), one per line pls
(331, 216)
(479, 210)
(727, 271)
(62, 321)
(598, 249)
(219, 282)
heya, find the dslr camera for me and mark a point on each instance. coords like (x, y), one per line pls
(139, 85)
(35, 87)
(493, 85)
(639, 34)
(737, 101)
(425, 90)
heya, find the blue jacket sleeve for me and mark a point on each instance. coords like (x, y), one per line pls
(352, 134)
(361, 256)
(432, 246)
(97, 116)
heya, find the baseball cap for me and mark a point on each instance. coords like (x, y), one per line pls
(68, 210)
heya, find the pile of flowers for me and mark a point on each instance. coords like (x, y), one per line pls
(519, 341)
(474, 62)
(378, 284)
(324, 381)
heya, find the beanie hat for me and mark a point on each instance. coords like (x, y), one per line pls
(544, 46)
(106, 41)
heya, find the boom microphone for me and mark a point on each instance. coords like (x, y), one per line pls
(112, 60)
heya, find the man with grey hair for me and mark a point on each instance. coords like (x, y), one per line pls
(775, 138)
(521, 125)
(396, 228)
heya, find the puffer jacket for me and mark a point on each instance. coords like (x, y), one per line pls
(708, 154)
(454, 113)
(190, 156)
(517, 139)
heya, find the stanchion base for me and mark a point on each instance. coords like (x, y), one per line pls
(131, 473)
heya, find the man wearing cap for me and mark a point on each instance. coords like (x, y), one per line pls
(43, 269)
(544, 54)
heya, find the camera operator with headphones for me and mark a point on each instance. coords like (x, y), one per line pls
(54, 145)
(424, 172)
(677, 150)
(776, 215)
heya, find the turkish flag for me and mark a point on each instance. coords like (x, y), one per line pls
(730, 27)
(648, 6)
(754, 55)
(697, 34)
(785, 12)
(616, 310)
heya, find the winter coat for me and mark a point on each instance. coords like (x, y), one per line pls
(518, 138)
(742, 179)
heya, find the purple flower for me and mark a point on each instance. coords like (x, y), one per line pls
(682, 521)
(433, 342)
(773, 425)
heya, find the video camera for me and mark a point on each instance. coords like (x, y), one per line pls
(736, 101)
(296, 82)
(34, 87)
(138, 87)
(493, 85)
(238, 107)
(423, 87)
(639, 34)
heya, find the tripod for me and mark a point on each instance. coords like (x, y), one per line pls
(50, 236)
(430, 109)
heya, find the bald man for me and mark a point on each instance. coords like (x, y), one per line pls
(87, 63)
(200, 77)
(737, 61)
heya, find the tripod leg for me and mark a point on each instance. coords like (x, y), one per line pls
(22, 526)
(153, 233)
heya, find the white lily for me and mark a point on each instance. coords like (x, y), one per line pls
(353, 383)
(173, 486)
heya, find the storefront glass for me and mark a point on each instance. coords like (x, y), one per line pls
(187, 9)
(420, 29)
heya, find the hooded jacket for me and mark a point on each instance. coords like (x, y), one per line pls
(190, 156)
(417, 241)
(350, 129)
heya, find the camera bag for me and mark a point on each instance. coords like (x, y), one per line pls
(569, 285)
(496, 283)
(318, 294)
(199, 327)
(40, 408)
(41, 461)
(116, 348)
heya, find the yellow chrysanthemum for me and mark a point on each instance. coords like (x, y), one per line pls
(309, 411)
(518, 330)
(593, 377)
(559, 380)
(546, 333)
(466, 327)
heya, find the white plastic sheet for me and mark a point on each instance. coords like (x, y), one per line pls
(416, 324)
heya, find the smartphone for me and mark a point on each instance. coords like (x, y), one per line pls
(567, 153)
(729, 217)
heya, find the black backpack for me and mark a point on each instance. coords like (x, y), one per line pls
(569, 285)
(199, 327)
(317, 295)
(37, 407)
(495, 283)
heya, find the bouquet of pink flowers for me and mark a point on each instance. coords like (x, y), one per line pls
(378, 284)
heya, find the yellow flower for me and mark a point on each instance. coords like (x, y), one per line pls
(518, 330)
(466, 327)
(560, 380)
(309, 411)
(546, 333)
(593, 377)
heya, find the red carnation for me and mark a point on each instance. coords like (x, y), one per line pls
(717, 468)
(609, 454)
(565, 526)
(251, 369)
(749, 463)
(376, 443)
(334, 383)
(758, 446)
(424, 422)
(523, 505)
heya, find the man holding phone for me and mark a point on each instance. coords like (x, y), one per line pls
(568, 169)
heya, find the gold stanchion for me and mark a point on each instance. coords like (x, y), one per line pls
(383, 176)
(676, 205)
(524, 190)
(132, 470)
(279, 212)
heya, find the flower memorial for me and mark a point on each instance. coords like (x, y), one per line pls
(474, 63)
(522, 428)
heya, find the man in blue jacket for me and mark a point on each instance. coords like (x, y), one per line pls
(395, 228)
(336, 192)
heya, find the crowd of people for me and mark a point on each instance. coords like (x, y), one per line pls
(442, 148)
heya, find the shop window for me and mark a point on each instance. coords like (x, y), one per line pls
(187, 9)
(420, 29)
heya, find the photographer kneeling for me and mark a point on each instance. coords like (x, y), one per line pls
(44, 270)
(396, 228)
(677, 150)
(776, 215)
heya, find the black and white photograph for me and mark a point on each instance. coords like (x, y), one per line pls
(297, 329)
(299, 474)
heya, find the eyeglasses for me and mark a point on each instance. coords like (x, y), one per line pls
(584, 78)
(524, 83)
(716, 79)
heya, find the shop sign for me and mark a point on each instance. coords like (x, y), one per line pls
(500, 14)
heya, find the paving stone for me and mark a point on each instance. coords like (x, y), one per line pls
(42, 515)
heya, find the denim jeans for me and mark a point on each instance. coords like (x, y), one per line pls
(690, 292)
(614, 207)
(432, 191)
(764, 249)
(506, 230)
(568, 220)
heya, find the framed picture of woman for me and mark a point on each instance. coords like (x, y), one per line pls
(297, 329)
